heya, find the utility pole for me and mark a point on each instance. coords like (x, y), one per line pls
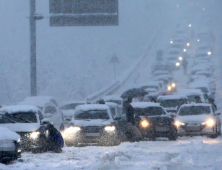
(32, 22)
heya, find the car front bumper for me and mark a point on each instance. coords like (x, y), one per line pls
(197, 130)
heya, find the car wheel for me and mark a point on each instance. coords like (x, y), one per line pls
(172, 136)
(215, 135)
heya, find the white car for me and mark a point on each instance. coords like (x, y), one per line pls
(171, 102)
(92, 123)
(49, 109)
(24, 120)
(113, 98)
(192, 93)
(68, 110)
(198, 119)
(10, 148)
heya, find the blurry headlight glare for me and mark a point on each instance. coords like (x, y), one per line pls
(180, 58)
(72, 129)
(173, 85)
(209, 53)
(144, 123)
(184, 50)
(188, 44)
(209, 123)
(169, 88)
(34, 135)
(171, 42)
(19, 140)
(177, 64)
(110, 128)
(178, 124)
(190, 25)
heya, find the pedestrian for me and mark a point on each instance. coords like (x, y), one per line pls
(184, 64)
(128, 110)
(51, 141)
(211, 101)
(197, 98)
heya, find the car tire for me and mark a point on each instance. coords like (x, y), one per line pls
(172, 136)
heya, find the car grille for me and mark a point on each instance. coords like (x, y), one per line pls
(92, 129)
(7, 145)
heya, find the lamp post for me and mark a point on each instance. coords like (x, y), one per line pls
(114, 60)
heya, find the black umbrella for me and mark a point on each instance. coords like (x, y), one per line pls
(135, 92)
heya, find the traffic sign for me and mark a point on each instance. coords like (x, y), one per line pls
(83, 12)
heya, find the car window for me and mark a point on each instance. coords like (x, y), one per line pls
(150, 111)
(54, 102)
(194, 110)
(71, 106)
(50, 109)
(92, 114)
(170, 103)
(19, 117)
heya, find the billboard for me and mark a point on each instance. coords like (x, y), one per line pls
(83, 12)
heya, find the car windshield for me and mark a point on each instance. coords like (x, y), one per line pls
(153, 87)
(203, 89)
(70, 106)
(149, 111)
(194, 110)
(92, 114)
(19, 117)
(170, 103)
(191, 98)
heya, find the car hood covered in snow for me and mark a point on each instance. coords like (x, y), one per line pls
(21, 127)
(91, 122)
(194, 118)
(6, 134)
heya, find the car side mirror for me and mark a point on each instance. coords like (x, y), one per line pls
(45, 121)
(217, 113)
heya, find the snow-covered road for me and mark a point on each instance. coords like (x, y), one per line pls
(186, 153)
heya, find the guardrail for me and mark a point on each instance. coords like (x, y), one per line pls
(114, 86)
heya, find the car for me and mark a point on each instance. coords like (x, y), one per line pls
(113, 98)
(49, 109)
(92, 123)
(115, 109)
(24, 120)
(192, 93)
(198, 119)
(171, 102)
(173, 62)
(153, 121)
(151, 84)
(159, 66)
(68, 110)
(10, 148)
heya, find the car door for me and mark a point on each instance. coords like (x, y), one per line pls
(51, 113)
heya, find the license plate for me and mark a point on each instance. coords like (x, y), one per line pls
(192, 128)
(162, 128)
(92, 134)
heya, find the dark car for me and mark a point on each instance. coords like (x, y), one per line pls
(10, 148)
(153, 121)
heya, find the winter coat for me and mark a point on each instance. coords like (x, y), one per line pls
(55, 136)
(128, 110)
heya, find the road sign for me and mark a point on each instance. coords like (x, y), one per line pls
(83, 12)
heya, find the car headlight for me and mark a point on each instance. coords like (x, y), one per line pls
(34, 135)
(209, 53)
(18, 141)
(72, 129)
(178, 124)
(188, 44)
(184, 50)
(110, 128)
(144, 123)
(169, 88)
(209, 123)
(173, 84)
(180, 58)
(177, 64)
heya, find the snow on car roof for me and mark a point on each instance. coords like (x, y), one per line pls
(190, 92)
(150, 83)
(144, 104)
(37, 100)
(73, 102)
(195, 104)
(111, 104)
(171, 97)
(112, 97)
(6, 134)
(199, 83)
(19, 108)
(92, 107)
(151, 90)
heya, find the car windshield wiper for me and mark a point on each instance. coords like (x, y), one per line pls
(10, 119)
(22, 119)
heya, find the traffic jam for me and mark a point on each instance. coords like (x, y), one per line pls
(176, 103)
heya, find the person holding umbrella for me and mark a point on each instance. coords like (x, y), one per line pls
(128, 110)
